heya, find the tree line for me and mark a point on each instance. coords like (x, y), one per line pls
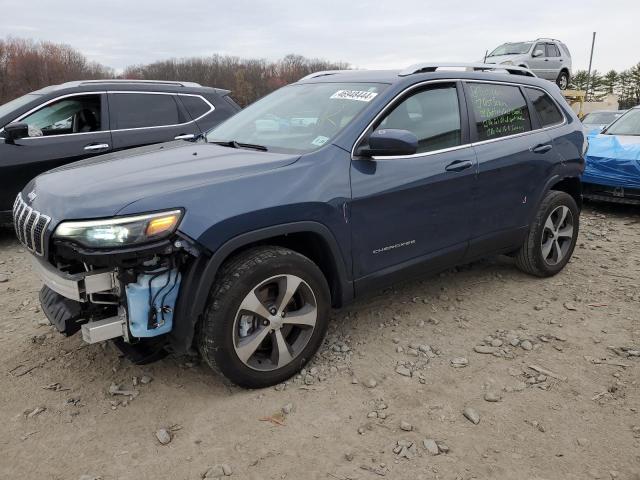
(26, 66)
(625, 84)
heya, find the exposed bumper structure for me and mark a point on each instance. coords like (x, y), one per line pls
(77, 286)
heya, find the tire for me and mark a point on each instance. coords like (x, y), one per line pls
(563, 80)
(548, 246)
(245, 310)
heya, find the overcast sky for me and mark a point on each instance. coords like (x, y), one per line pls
(366, 34)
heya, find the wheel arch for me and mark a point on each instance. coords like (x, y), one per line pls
(570, 185)
(311, 239)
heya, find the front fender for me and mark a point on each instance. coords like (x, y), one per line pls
(198, 281)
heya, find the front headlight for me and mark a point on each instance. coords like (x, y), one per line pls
(508, 62)
(121, 231)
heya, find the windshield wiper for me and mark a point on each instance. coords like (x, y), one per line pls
(234, 144)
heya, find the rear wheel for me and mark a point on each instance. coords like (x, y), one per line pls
(552, 236)
(563, 80)
(267, 315)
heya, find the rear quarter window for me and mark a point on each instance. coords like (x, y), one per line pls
(196, 106)
(498, 110)
(545, 107)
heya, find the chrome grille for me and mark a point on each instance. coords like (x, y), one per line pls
(30, 226)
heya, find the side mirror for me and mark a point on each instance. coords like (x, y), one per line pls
(16, 131)
(537, 53)
(390, 142)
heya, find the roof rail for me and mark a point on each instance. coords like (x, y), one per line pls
(150, 82)
(548, 39)
(476, 67)
(322, 74)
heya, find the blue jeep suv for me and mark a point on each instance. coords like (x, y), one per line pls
(327, 189)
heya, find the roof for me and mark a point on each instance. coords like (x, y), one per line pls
(421, 70)
(120, 84)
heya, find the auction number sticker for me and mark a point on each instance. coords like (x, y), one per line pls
(358, 95)
(320, 140)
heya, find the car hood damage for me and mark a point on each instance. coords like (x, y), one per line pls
(613, 160)
(103, 186)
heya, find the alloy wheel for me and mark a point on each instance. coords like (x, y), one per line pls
(274, 322)
(564, 82)
(557, 235)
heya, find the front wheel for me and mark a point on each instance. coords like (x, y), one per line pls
(563, 80)
(267, 316)
(552, 236)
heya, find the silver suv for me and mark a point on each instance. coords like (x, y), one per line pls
(546, 57)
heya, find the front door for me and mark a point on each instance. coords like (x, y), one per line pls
(143, 118)
(409, 209)
(61, 131)
(539, 64)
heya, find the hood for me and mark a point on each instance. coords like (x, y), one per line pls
(104, 185)
(502, 58)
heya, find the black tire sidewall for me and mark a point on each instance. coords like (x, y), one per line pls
(565, 75)
(562, 199)
(219, 321)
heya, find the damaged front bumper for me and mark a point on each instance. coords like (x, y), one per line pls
(62, 297)
(78, 287)
(128, 296)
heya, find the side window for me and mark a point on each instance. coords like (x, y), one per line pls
(433, 115)
(79, 114)
(196, 106)
(136, 110)
(547, 110)
(552, 50)
(498, 110)
(541, 47)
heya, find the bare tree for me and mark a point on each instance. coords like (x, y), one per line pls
(249, 79)
(26, 66)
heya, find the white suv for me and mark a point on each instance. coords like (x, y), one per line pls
(546, 57)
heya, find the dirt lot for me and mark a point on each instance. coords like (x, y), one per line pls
(580, 420)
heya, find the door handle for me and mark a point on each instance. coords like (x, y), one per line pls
(458, 165)
(541, 148)
(185, 136)
(96, 146)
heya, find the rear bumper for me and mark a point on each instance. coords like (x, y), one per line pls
(77, 286)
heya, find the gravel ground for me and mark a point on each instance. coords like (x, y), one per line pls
(480, 372)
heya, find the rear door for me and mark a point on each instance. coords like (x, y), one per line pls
(61, 131)
(554, 61)
(143, 118)
(515, 157)
(409, 209)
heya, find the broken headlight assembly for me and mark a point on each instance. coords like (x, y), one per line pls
(120, 231)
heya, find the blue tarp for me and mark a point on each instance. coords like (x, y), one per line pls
(612, 162)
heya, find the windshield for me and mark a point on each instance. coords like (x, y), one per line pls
(9, 107)
(627, 124)
(297, 118)
(601, 118)
(511, 49)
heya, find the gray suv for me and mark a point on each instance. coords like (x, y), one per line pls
(546, 57)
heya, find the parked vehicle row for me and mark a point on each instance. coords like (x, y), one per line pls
(239, 244)
(595, 122)
(613, 161)
(64, 123)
